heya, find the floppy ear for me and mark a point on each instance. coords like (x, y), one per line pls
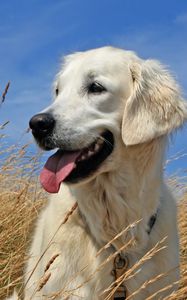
(155, 107)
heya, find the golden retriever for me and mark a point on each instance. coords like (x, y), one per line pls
(110, 120)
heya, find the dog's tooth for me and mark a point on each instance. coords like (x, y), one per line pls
(90, 153)
(96, 148)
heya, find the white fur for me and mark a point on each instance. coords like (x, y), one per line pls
(141, 107)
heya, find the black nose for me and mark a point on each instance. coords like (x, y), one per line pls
(42, 124)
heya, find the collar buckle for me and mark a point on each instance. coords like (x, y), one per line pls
(120, 266)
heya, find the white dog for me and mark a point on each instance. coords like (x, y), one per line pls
(110, 120)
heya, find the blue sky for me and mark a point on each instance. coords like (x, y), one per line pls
(35, 34)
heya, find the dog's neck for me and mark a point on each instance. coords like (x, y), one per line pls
(114, 200)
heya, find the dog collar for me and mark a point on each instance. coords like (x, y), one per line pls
(120, 267)
(121, 264)
(151, 222)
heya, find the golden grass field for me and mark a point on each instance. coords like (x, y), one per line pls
(21, 198)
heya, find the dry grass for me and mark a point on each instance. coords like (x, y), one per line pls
(21, 199)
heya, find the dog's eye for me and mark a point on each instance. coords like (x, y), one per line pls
(96, 88)
(56, 91)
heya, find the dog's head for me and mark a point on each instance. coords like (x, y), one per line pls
(104, 98)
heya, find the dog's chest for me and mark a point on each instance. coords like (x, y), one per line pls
(106, 217)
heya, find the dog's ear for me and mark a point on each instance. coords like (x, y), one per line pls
(155, 108)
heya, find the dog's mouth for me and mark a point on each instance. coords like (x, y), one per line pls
(73, 166)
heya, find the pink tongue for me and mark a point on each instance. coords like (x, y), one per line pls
(56, 169)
